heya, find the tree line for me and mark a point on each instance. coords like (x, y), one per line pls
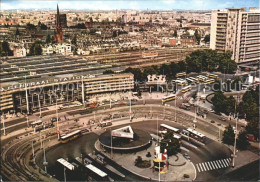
(197, 61)
(247, 108)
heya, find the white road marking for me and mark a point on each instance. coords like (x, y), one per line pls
(227, 162)
(224, 162)
(213, 166)
(198, 167)
(204, 166)
(220, 166)
(201, 167)
(209, 166)
(216, 165)
(219, 162)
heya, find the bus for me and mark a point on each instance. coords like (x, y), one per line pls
(180, 82)
(168, 98)
(209, 81)
(180, 74)
(194, 134)
(202, 78)
(35, 123)
(70, 136)
(190, 80)
(195, 80)
(165, 127)
(100, 175)
(186, 89)
(212, 76)
(104, 124)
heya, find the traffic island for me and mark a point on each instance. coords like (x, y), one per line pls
(178, 170)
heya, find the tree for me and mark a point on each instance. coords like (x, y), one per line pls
(164, 69)
(207, 38)
(43, 26)
(198, 36)
(30, 27)
(170, 143)
(48, 39)
(74, 40)
(17, 32)
(228, 136)
(36, 48)
(253, 127)
(219, 102)
(210, 60)
(6, 49)
(75, 51)
(175, 33)
(108, 72)
(242, 142)
(229, 105)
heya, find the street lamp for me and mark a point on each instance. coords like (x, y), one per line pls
(39, 105)
(235, 142)
(4, 124)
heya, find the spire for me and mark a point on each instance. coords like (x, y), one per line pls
(58, 15)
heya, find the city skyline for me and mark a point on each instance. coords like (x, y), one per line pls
(137, 5)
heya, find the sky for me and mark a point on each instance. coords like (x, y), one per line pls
(128, 4)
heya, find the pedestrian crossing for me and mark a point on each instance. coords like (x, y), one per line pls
(213, 165)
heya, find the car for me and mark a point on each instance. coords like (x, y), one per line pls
(200, 114)
(212, 121)
(186, 156)
(219, 124)
(211, 110)
(205, 111)
(222, 118)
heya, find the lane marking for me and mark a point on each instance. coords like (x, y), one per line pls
(198, 167)
(216, 164)
(219, 164)
(213, 166)
(204, 167)
(227, 162)
(209, 165)
(224, 163)
(201, 167)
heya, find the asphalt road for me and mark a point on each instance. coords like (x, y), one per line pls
(84, 145)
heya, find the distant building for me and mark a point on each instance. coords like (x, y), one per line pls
(237, 31)
(187, 40)
(19, 52)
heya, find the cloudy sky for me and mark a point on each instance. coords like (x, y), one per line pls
(128, 4)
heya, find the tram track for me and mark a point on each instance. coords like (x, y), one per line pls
(15, 153)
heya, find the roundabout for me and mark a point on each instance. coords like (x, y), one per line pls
(211, 150)
(140, 141)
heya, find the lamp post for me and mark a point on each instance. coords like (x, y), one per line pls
(235, 142)
(33, 153)
(57, 117)
(4, 124)
(175, 108)
(45, 163)
(40, 105)
(130, 109)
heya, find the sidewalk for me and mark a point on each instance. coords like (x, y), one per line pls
(178, 165)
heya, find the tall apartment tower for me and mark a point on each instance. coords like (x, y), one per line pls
(237, 31)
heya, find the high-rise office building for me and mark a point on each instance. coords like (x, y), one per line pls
(238, 31)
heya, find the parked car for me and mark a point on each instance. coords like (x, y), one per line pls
(186, 156)
(205, 111)
(222, 118)
(212, 121)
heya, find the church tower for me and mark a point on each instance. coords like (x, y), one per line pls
(58, 36)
